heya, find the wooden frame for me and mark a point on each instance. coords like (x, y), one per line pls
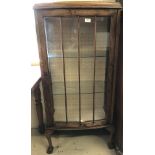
(111, 10)
(77, 4)
(35, 90)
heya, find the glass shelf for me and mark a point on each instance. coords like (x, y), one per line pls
(50, 56)
(72, 87)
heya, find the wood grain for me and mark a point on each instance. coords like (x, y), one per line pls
(118, 113)
(81, 126)
(77, 4)
(39, 109)
(110, 69)
(76, 12)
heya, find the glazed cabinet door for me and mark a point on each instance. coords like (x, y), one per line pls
(79, 50)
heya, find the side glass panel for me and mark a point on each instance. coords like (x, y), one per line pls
(102, 49)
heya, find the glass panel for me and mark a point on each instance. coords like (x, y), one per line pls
(53, 36)
(86, 107)
(56, 67)
(59, 106)
(86, 36)
(72, 84)
(99, 102)
(55, 56)
(86, 46)
(102, 35)
(100, 68)
(70, 36)
(70, 46)
(87, 74)
(73, 107)
(65, 40)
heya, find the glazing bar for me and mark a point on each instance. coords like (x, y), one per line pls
(79, 70)
(64, 72)
(94, 69)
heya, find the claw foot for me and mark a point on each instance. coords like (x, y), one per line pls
(50, 150)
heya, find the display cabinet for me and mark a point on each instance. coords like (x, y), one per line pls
(78, 49)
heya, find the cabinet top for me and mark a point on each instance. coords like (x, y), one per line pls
(77, 4)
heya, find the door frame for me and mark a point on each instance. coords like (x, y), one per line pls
(112, 59)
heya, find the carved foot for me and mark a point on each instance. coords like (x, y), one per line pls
(48, 134)
(50, 150)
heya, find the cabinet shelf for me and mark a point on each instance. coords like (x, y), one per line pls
(74, 54)
(50, 56)
(72, 87)
(80, 93)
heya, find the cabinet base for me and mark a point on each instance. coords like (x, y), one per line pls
(50, 131)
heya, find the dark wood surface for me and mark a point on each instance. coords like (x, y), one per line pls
(78, 4)
(118, 115)
(75, 12)
(110, 69)
(35, 85)
(46, 78)
(80, 126)
(39, 109)
(41, 44)
(115, 62)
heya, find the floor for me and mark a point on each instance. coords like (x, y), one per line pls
(72, 143)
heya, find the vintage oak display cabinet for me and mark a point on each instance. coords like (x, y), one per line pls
(78, 49)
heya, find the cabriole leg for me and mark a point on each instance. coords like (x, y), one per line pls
(111, 144)
(48, 135)
(39, 108)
